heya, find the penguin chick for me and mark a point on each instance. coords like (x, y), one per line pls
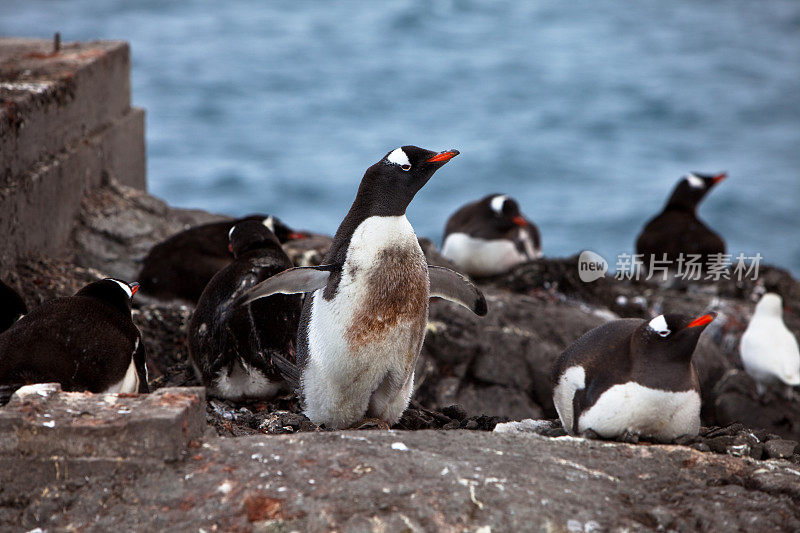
(12, 306)
(632, 376)
(364, 320)
(240, 351)
(85, 342)
(677, 229)
(490, 236)
(768, 349)
(182, 265)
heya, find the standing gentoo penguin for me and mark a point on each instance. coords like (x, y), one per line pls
(490, 237)
(86, 342)
(12, 306)
(677, 230)
(234, 349)
(631, 376)
(769, 350)
(363, 324)
(182, 265)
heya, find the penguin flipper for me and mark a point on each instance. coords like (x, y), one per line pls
(292, 281)
(451, 285)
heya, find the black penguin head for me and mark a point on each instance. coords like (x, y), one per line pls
(389, 185)
(283, 232)
(692, 188)
(502, 212)
(112, 291)
(670, 337)
(12, 306)
(250, 235)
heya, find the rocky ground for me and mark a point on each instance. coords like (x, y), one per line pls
(473, 374)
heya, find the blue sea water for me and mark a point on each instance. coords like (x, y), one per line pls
(586, 112)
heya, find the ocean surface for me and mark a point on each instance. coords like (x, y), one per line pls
(586, 112)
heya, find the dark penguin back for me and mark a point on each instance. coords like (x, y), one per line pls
(260, 334)
(12, 306)
(182, 265)
(677, 229)
(84, 342)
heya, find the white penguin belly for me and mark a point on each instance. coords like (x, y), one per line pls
(365, 341)
(632, 407)
(243, 382)
(481, 257)
(129, 382)
(571, 381)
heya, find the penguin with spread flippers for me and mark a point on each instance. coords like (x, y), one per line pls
(768, 349)
(181, 266)
(677, 231)
(490, 236)
(85, 342)
(632, 376)
(239, 351)
(12, 307)
(364, 320)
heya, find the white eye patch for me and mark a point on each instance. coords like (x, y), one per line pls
(695, 182)
(399, 157)
(659, 325)
(124, 287)
(498, 202)
(269, 222)
(230, 231)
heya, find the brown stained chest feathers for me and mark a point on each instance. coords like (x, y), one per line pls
(397, 294)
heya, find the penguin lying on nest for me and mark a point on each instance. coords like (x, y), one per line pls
(85, 342)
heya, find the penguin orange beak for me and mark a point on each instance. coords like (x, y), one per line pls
(700, 321)
(230, 248)
(719, 177)
(519, 221)
(443, 157)
(134, 287)
(296, 236)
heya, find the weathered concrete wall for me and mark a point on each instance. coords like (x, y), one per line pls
(66, 124)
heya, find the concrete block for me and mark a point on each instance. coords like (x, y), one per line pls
(41, 422)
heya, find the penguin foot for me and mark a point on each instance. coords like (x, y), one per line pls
(630, 437)
(590, 434)
(374, 423)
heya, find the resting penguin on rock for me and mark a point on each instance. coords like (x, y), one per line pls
(238, 351)
(490, 237)
(769, 350)
(85, 342)
(677, 230)
(12, 307)
(364, 320)
(182, 265)
(632, 377)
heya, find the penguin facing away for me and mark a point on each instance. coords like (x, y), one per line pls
(363, 323)
(677, 229)
(239, 352)
(768, 349)
(182, 265)
(12, 307)
(85, 342)
(490, 236)
(631, 376)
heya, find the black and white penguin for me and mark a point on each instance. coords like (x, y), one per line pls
(12, 307)
(768, 349)
(677, 230)
(85, 342)
(632, 376)
(237, 351)
(363, 324)
(490, 236)
(182, 265)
